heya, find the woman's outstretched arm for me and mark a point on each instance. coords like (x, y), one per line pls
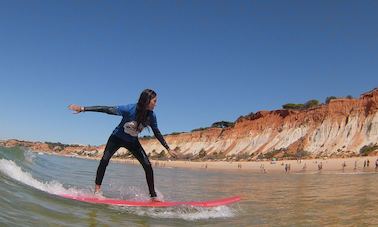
(104, 109)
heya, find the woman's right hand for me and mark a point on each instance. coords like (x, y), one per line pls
(76, 108)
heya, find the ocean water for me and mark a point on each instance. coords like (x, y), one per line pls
(29, 183)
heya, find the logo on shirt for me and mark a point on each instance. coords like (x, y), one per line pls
(130, 128)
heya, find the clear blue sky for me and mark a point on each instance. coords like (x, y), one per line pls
(208, 60)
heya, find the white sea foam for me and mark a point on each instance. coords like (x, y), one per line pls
(11, 169)
(133, 193)
(189, 213)
(181, 212)
(29, 156)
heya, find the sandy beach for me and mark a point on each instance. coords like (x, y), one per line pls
(287, 166)
(356, 164)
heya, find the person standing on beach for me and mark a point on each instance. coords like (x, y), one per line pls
(320, 166)
(286, 168)
(135, 117)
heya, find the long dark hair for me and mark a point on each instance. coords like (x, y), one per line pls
(141, 111)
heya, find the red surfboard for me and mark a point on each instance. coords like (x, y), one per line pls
(209, 203)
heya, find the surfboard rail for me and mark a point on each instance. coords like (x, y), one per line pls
(149, 203)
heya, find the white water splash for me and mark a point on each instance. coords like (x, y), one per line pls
(132, 193)
(189, 213)
(29, 156)
(11, 169)
(182, 212)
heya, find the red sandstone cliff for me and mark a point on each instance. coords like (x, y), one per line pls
(340, 128)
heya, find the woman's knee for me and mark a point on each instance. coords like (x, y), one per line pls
(147, 166)
(104, 162)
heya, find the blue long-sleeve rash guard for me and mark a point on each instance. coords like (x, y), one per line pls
(126, 129)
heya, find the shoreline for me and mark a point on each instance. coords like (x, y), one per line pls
(353, 164)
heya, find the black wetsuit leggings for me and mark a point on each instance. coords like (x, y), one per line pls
(113, 144)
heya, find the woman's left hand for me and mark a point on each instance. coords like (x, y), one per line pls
(173, 153)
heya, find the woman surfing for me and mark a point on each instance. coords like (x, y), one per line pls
(135, 117)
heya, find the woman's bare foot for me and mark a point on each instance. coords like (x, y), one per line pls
(155, 199)
(97, 189)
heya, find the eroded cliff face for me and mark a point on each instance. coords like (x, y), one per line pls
(340, 128)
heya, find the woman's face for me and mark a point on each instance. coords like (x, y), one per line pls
(152, 104)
